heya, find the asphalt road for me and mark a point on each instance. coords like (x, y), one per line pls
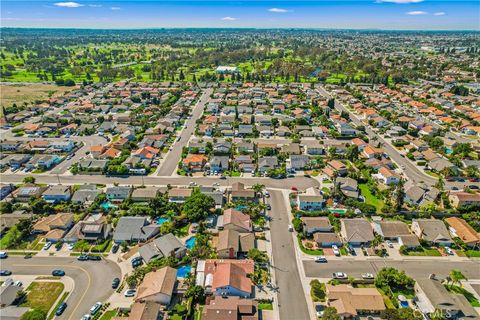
(301, 183)
(411, 170)
(418, 268)
(169, 163)
(291, 298)
(93, 279)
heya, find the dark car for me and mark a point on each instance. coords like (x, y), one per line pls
(83, 257)
(58, 273)
(5, 272)
(61, 308)
(94, 258)
(137, 261)
(115, 248)
(115, 283)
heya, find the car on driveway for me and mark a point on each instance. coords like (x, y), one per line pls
(94, 258)
(130, 292)
(18, 283)
(389, 243)
(47, 245)
(321, 259)
(5, 272)
(319, 309)
(137, 261)
(83, 257)
(367, 276)
(86, 317)
(335, 250)
(58, 273)
(95, 308)
(61, 308)
(269, 207)
(339, 275)
(71, 246)
(449, 251)
(115, 248)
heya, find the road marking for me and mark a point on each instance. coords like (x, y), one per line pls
(65, 266)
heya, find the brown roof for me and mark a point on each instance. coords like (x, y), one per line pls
(148, 310)
(180, 192)
(230, 308)
(228, 239)
(317, 222)
(230, 274)
(324, 237)
(463, 230)
(349, 300)
(236, 218)
(59, 219)
(394, 228)
(160, 281)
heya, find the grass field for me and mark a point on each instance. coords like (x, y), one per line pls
(42, 295)
(370, 198)
(20, 94)
(108, 315)
(425, 252)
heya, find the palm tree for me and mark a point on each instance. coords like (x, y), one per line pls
(258, 187)
(456, 276)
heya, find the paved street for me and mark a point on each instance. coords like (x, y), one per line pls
(418, 268)
(169, 164)
(291, 297)
(301, 183)
(93, 279)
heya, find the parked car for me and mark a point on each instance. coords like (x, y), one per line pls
(449, 251)
(115, 283)
(47, 245)
(94, 258)
(3, 255)
(5, 272)
(367, 276)
(95, 308)
(267, 194)
(18, 283)
(335, 250)
(115, 248)
(389, 243)
(58, 273)
(130, 292)
(86, 317)
(83, 257)
(320, 259)
(269, 207)
(339, 275)
(290, 228)
(61, 308)
(137, 261)
(319, 309)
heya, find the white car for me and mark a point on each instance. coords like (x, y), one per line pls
(339, 275)
(47, 245)
(320, 259)
(449, 251)
(95, 308)
(18, 283)
(389, 243)
(86, 317)
(267, 194)
(71, 246)
(130, 293)
(290, 228)
(335, 250)
(367, 276)
(319, 309)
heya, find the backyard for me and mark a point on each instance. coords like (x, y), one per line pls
(370, 198)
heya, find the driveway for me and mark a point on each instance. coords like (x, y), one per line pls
(93, 279)
(291, 297)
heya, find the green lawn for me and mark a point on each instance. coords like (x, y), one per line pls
(63, 298)
(309, 251)
(370, 198)
(108, 315)
(424, 252)
(265, 306)
(470, 297)
(198, 313)
(42, 295)
(472, 253)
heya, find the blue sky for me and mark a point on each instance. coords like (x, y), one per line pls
(345, 14)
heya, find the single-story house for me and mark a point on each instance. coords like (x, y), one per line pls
(356, 231)
(433, 231)
(134, 229)
(157, 286)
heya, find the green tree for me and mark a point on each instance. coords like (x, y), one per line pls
(391, 277)
(456, 276)
(35, 314)
(258, 187)
(198, 206)
(352, 152)
(399, 195)
(29, 179)
(330, 313)
(257, 255)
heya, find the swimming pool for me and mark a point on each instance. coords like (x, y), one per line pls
(190, 242)
(160, 220)
(404, 304)
(107, 205)
(184, 270)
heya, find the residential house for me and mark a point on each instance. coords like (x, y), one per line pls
(144, 194)
(327, 239)
(231, 308)
(432, 231)
(313, 225)
(267, 163)
(227, 277)
(356, 232)
(89, 230)
(134, 229)
(231, 243)
(165, 246)
(179, 195)
(297, 162)
(348, 186)
(235, 220)
(391, 229)
(387, 176)
(218, 164)
(158, 286)
(27, 192)
(56, 193)
(352, 302)
(194, 162)
(54, 226)
(118, 193)
(239, 192)
(339, 167)
(307, 202)
(459, 199)
(460, 228)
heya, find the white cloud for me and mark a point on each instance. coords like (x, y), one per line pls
(439, 14)
(115, 8)
(68, 4)
(417, 13)
(277, 10)
(229, 19)
(95, 5)
(400, 1)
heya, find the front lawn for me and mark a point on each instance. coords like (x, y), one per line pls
(472, 253)
(431, 252)
(370, 198)
(108, 315)
(467, 294)
(315, 252)
(42, 295)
